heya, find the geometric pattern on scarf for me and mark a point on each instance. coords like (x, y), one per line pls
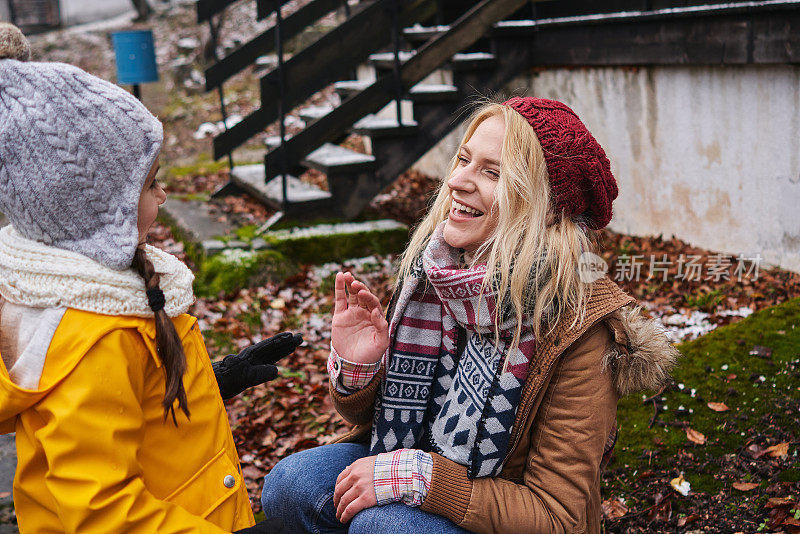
(464, 402)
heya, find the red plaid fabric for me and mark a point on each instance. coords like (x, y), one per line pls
(403, 475)
(348, 376)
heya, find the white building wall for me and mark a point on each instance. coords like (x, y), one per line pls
(74, 12)
(710, 155)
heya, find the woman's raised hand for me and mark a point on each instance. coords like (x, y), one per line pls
(359, 332)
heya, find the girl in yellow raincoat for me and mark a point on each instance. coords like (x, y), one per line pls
(119, 421)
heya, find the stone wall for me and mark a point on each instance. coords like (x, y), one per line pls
(708, 154)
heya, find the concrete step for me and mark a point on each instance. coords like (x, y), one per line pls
(419, 34)
(334, 159)
(473, 61)
(312, 113)
(251, 179)
(425, 93)
(385, 60)
(347, 88)
(195, 220)
(381, 127)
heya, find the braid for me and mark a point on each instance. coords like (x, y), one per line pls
(168, 345)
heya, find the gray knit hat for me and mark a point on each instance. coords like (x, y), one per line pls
(75, 151)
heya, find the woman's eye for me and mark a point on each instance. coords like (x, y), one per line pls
(494, 174)
(463, 160)
(154, 184)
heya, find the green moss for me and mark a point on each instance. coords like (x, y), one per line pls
(235, 269)
(719, 368)
(705, 300)
(247, 233)
(203, 165)
(790, 475)
(322, 249)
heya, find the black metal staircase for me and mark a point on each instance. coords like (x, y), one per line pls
(480, 50)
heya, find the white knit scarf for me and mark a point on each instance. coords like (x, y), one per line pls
(37, 275)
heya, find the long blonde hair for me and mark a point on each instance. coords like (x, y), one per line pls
(532, 255)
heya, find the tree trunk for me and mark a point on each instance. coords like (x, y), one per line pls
(143, 9)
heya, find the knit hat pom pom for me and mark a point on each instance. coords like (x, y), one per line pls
(13, 45)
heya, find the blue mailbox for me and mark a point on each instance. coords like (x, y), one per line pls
(136, 57)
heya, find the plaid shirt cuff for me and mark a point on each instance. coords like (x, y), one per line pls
(348, 376)
(403, 475)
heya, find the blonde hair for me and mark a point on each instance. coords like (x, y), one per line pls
(532, 255)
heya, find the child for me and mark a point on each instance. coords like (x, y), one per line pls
(120, 426)
(487, 402)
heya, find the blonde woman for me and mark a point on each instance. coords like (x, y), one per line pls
(487, 402)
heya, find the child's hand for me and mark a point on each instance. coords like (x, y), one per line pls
(254, 365)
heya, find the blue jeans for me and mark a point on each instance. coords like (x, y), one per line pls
(299, 491)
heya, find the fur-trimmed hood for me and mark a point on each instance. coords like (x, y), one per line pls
(641, 356)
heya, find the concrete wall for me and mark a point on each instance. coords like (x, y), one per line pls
(75, 12)
(708, 154)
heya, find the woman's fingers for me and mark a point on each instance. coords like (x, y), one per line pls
(352, 292)
(354, 506)
(339, 294)
(343, 483)
(368, 301)
(379, 322)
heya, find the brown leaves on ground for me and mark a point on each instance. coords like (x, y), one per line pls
(614, 508)
(695, 437)
(718, 406)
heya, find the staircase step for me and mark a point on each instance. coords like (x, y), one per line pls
(312, 113)
(385, 60)
(334, 159)
(348, 88)
(473, 61)
(195, 219)
(430, 92)
(375, 127)
(419, 34)
(514, 28)
(274, 141)
(251, 179)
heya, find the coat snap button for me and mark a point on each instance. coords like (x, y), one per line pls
(229, 481)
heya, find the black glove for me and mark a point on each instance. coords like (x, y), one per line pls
(268, 526)
(254, 365)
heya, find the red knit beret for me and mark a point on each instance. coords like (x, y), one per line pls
(580, 173)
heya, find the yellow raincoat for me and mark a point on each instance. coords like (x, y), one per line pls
(95, 453)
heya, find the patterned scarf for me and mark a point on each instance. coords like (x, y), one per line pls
(462, 405)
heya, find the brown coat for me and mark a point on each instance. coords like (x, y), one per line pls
(551, 478)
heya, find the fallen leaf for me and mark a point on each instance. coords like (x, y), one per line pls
(277, 304)
(269, 438)
(756, 451)
(718, 406)
(745, 486)
(695, 436)
(778, 451)
(778, 502)
(614, 508)
(681, 485)
(691, 518)
(661, 510)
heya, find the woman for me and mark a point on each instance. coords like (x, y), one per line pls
(488, 402)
